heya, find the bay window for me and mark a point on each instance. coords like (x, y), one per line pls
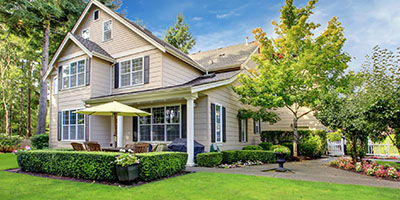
(73, 126)
(163, 125)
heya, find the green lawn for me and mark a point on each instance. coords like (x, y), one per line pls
(393, 164)
(192, 186)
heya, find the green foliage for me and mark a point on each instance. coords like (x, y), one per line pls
(265, 145)
(335, 136)
(179, 35)
(9, 143)
(261, 114)
(40, 141)
(98, 165)
(232, 156)
(252, 147)
(126, 159)
(211, 159)
(313, 145)
(280, 137)
(281, 149)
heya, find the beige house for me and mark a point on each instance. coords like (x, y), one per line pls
(106, 57)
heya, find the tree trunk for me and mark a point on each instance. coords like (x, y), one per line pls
(7, 123)
(28, 118)
(10, 118)
(42, 114)
(295, 137)
(354, 148)
(21, 111)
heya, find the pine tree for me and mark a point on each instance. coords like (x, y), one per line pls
(179, 35)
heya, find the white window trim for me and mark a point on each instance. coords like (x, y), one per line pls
(69, 127)
(130, 73)
(69, 75)
(222, 125)
(110, 30)
(89, 33)
(165, 123)
(55, 85)
(244, 133)
(98, 15)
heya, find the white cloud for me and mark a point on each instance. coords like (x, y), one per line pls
(197, 18)
(227, 15)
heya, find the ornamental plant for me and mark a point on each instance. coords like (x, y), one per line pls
(358, 167)
(381, 172)
(125, 160)
(348, 166)
(371, 171)
(280, 149)
(392, 173)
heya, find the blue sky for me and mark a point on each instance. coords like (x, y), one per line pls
(219, 23)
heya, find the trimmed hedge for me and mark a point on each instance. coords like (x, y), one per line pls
(98, 165)
(211, 159)
(248, 155)
(252, 147)
(265, 145)
(40, 141)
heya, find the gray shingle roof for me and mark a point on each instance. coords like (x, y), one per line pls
(91, 46)
(226, 57)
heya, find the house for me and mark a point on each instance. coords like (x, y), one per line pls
(106, 57)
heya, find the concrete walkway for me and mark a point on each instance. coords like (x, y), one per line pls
(313, 170)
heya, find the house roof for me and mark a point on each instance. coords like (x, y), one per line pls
(199, 81)
(225, 57)
(91, 46)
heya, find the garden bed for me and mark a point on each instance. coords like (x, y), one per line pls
(368, 168)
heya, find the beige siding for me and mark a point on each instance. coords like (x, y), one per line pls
(53, 115)
(307, 122)
(70, 48)
(123, 38)
(155, 73)
(100, 77)
(202, 127)
(100, 130)
(176, 72)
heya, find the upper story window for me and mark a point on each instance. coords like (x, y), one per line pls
(131, 72)
(86, 33)
(107, 30)
(74, 74)
(96, 15)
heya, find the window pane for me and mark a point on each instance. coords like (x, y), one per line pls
(81, 119)
(85, 34)
(81, 132)
(65, 117)
(158, 132)
(145, 120)
(66, 82)
(137, 78)
(81, 79)
(125, 67)
(107, 35)
(172, 132)
(137, 64)
(218, 122)
(144, 132)
(125, 80)
(73, 81)
(73, 68)
(65, 132)
(72, 135)
(81, 66)
(158, 115)
(66, 71)
(107, 25)
(172, 114)
(72, 118)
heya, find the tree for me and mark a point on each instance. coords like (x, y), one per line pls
(296, 69)
(381, 73)
(179, 35)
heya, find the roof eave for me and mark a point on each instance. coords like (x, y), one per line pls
(188, 61)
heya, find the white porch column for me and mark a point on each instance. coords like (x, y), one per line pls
(112, 141)
(120, 130)
(190, 129)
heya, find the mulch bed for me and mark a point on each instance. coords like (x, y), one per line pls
(354, 171)
(112, 183)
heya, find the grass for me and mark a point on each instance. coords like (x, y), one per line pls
(191, 186)
(389, 163)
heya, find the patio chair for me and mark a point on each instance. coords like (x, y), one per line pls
(77, 146)
(93, 146)
(129, 146)
(141, 148)
(90, 142)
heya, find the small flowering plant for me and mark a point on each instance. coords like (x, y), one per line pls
(27, 148)
(125, 160)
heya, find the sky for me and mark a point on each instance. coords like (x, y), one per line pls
(220, 23)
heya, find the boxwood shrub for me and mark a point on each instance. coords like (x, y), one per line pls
(265, 145)
(252, 147)
(98, 165)
(245, 155)
(211, 159)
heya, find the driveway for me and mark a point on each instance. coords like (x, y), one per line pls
(311, 170)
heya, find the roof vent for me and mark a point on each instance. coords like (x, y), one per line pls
(247, 40)
(221, 55)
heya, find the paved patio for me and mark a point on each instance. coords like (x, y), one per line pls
(312, 170)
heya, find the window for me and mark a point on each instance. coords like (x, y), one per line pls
(257, 126)
(73, 125)
(74, 74)
(163, 125)
(243, 130)
(86, 33)
(96, 15)
(107, 30)
(218, 124)
(55, 85)
(131, 72)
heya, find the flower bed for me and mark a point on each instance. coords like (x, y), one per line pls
(240, 164)
(367, 167)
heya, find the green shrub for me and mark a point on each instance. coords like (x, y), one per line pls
(252, 147)
(335, 136)
(313, 145)
(98, 165)
(289, 145)
(211, 159)
(265, 145)
(276, 147)
(9, 143)
(40, 141)
(230, 156)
